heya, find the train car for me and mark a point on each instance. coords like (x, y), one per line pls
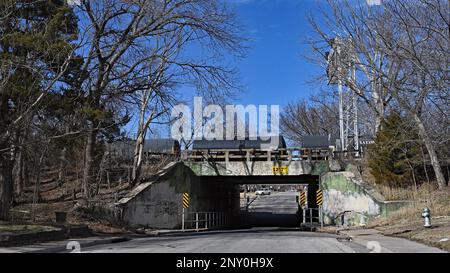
(237, 150)
(257, 144)
(316, 142)
(124, 149)
(162, 147)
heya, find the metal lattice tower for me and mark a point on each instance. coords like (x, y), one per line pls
(341, 70)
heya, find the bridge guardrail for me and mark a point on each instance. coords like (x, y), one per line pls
(226, 155)
(311, 216)
(204, 220)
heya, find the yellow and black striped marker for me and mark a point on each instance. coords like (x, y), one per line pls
(303, 199)
(185, 200)
(319, 197)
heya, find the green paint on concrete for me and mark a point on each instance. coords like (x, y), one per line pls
(340, 182)
(352, 186)
(196, 168)
(387, 208)
(180, 178)
(319, 167)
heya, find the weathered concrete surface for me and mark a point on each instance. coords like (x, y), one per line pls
(265, 240)
(157, 202)
(346, 194)
(335, 165)
(61, 246)
(257, 168)
(377, 242)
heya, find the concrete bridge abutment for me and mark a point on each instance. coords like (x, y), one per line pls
(214, 187)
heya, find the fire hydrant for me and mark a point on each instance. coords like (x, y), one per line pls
(426, 217)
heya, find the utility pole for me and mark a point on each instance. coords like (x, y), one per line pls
(341, 67)
(341, 116)
(355, 115)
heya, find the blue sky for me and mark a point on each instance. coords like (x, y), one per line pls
(274, 71)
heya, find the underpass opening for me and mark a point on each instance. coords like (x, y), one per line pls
(265, 201)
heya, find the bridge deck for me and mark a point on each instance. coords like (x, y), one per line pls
(248, 155)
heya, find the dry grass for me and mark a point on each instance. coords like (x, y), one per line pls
(437, 201)
(45, 216)
(408, 222)
(423, 193)
(25, 228)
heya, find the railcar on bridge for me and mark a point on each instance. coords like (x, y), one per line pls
(273, 149)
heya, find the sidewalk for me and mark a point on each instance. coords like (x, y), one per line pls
(375, 241)
(63, 246)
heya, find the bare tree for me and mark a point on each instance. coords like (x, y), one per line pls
(400, 52)
(318, 116)
(418, 49)
(350, 24)
(125, 53)
(169, 65)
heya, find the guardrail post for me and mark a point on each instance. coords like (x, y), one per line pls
(321, 216)
(182, 220)
(206, 220)
(196, 221)
(304, 215)
(227, 156)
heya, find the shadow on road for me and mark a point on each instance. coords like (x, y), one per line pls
(269, 219)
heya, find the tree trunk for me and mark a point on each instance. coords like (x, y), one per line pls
(425, 167)
(378, 102)
(37, 184)
(431, 151)
(6, 186)
(139, 147)
(137, 160)
(18, 173)
(89, 161)
(62, 167)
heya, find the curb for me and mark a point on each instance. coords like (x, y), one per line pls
(63, 249)
(58, 233)
(157, 233)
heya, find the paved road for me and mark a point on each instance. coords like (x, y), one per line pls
(276, 203)
(277, 209)
(256, 240)
(263, 240)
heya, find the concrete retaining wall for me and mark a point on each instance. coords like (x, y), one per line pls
(349, 201)
(53, 234)
(157, 202)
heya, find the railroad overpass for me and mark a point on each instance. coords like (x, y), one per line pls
(213, 186)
